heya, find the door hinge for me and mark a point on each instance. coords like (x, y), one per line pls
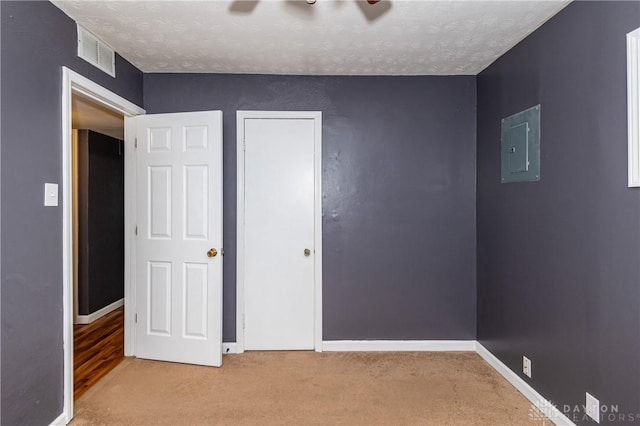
(135, 143)
(135, 231)
(136, 318)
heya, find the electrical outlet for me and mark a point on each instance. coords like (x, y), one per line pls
(592, 407)
(526, 366)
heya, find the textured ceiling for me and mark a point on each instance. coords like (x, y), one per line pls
(334, 37)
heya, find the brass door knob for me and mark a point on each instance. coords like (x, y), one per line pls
(212, 252)
(307, 252)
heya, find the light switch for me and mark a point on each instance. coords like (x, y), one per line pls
(50, 194)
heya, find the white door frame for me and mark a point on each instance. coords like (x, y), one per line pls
(74, 83)
(316, 116)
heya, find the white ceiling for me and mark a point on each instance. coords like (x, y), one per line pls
(331, 37)
(86, 114)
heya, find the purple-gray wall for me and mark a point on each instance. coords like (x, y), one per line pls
(398, 193)
(37, 39)
(559, 260)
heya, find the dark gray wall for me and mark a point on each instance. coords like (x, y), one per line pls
(558, 260)
(36, 40)
(101, 216)
(398, 193)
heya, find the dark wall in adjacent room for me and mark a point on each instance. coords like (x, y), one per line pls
(558, 260)
(398, 193)
(101, 217)
(37, 39)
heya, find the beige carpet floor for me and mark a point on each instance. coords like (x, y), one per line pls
(307, 388)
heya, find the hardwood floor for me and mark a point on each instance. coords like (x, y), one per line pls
(97, 348)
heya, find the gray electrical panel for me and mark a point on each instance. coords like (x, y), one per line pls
(520, 146)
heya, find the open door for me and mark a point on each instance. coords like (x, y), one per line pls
(178, 272)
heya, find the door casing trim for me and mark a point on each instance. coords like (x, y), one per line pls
(241, 116)
(74, 83)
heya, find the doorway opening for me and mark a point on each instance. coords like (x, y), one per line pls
(98, 241)
(79, 87)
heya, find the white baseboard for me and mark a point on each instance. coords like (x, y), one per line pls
(229, 348)
(398, 345)
(88, 319)
(61, 420)
(555, 415)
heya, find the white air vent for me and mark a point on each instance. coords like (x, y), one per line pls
(96, 52)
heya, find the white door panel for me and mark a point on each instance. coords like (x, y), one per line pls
(179, 218)
(279, 226)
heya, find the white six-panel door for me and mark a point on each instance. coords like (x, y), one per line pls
(179, 222)
(279, 241)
